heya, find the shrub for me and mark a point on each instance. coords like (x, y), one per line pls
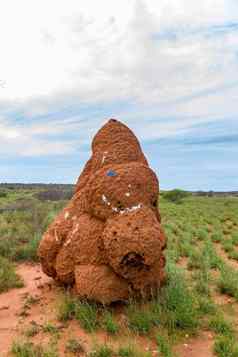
(176, 195)
(3, 194)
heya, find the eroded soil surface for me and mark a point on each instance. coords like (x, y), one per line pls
(12, 312)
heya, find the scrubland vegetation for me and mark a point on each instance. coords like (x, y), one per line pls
(200, 295)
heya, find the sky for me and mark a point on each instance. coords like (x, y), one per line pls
(168, 69)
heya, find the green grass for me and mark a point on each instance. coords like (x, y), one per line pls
(141, 320)
(228, 282)
(101, 351)
(196, 229)
(84, 312)
(28, 349)
(220, 325)
(164, 346)
(66, 307)
(217, 237)
(131, 351)
(87, 315)
(50, 328)
(109, 323)
(74, 346)
(176, 306)
(8, 277)
(226, 346)
(21, 231)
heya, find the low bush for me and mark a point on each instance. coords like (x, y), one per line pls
(176, 195)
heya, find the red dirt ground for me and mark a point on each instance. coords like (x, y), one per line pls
(45, 292)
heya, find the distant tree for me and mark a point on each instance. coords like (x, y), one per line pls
(176, 195)
(54, 195)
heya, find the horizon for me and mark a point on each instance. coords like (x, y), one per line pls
(73, 184)
(167, 70)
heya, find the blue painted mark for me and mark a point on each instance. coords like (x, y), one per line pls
(111, 173)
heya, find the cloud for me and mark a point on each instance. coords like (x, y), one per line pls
(67, 51)
(165, 68)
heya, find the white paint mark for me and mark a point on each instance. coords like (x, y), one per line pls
(130, 209)
(76, 228)
(67, 242)
(105, 200)
(127, 209)
(104, 156)
(66, 215)
(56, 237)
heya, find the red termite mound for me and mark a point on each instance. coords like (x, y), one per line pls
(108, 240)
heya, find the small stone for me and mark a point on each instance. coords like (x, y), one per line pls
(5, 307)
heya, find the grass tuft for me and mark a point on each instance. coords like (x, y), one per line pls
(8, 277)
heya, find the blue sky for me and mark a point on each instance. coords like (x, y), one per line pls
(168, 70)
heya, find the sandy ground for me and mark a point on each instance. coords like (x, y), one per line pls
(17, 314)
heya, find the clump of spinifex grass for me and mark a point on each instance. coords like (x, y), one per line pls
(131, 350)
(8, 277)
(87, 315)
(234, 238)
(74, 346)
(109, 323)
(66, 307)
(220, 325)
(84, 312)
(164, 346)
(228, 281)
(226, 346)
(28, 349)
(141, 318)
(103, 350)
(227, 245)
(176, 306)
(217, 237)
(226, 342)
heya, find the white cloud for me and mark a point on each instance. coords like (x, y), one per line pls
(55, 52)
(27, 141)
(168, 58)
